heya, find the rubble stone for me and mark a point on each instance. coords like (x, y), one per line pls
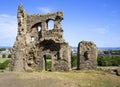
(34, 41)
(87, 55)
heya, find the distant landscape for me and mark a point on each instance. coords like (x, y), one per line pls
(75, 48)
(101, 48)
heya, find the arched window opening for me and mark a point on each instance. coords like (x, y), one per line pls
(50, 24)
(39, 28)
(32, 39)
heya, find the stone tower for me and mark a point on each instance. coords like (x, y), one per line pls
(87, 55)
(34, 41)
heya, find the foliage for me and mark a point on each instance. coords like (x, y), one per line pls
(112, 52)
(2, 49)
(115, 52)
(3, 56)
(74, 61)
(48, 62)
(49, 65)
(9, 56)
(4, 64)
(101, 60)
(48, 57)
(108, 60)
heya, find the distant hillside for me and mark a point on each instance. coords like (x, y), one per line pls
(75, 48)
(109, 48)
(6, 47)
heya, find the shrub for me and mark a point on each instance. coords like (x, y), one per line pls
(3, 56)
(49, 65)
(108, 60)
(9, 56)
(5, 64)
(74, 61)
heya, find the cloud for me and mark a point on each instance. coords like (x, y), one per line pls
(8, 29)
(45, 9)
(102, 30)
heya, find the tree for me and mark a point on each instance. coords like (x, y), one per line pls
(3, 56)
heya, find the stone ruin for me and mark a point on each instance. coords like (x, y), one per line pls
(35, 41)
(87, 55)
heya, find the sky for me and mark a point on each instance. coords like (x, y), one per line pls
(89, 20)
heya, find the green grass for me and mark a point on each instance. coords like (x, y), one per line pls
(3, 59)
(4, 63)
(84, 78)
(48, 64)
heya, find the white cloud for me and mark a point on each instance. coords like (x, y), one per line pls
(8, 29)
(45, 9)
(102, 30)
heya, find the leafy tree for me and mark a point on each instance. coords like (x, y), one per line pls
(3, 56)
(108, 60)
(2, 49)
(9, 56)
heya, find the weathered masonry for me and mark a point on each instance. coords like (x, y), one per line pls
(87, 55)
(35, 41)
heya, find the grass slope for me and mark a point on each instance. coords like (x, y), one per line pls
(59, 79)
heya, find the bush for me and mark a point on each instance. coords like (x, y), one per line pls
(2, 49)
(49, 65)
(108, 60)
(3, 56)
(9, 56)
(5, 64)
(48, 62)
(74, 61)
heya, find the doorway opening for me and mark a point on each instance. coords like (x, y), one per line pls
(47, 62)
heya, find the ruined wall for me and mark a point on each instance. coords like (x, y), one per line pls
(87, 55)
(34, 41)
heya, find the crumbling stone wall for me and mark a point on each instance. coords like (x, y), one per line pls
(87, 55)
(34, 41)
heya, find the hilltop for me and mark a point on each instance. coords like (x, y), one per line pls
(59, 79)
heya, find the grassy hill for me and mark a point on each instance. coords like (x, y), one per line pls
(82, 78)
(59, 79)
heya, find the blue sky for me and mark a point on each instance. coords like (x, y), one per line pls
(89, 20)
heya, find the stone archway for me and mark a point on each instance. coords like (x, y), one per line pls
(49, 47)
